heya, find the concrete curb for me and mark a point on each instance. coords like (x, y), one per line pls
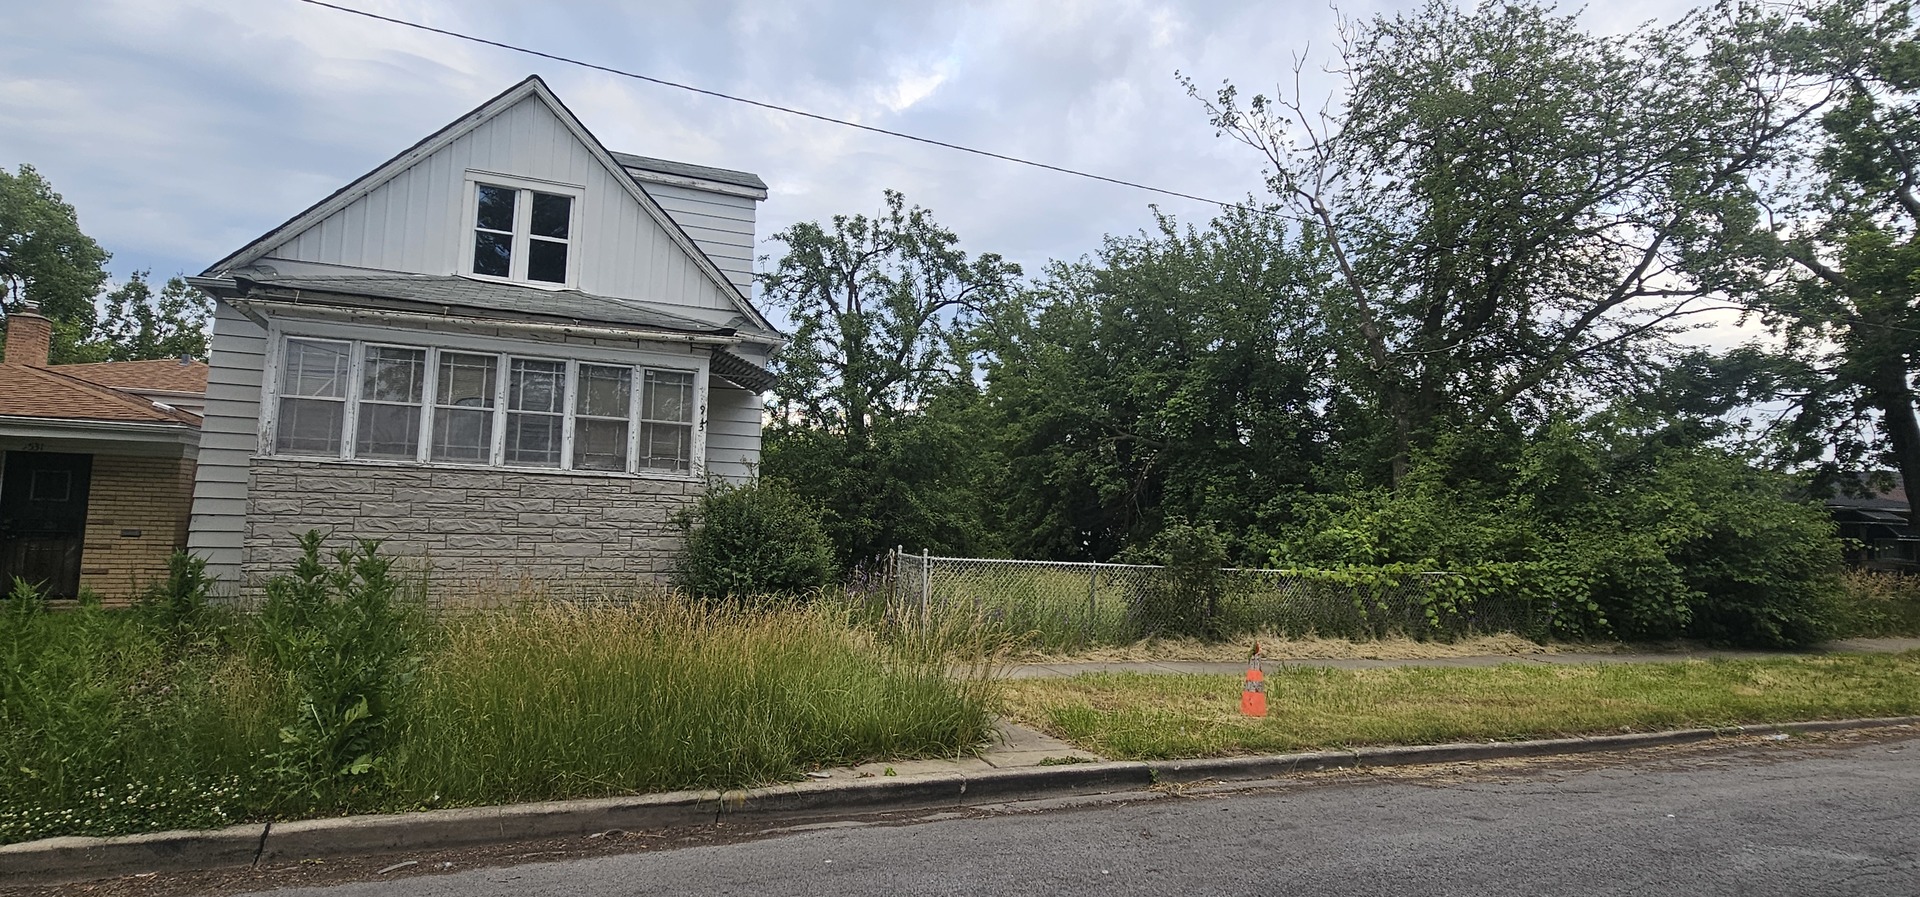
(66, 860)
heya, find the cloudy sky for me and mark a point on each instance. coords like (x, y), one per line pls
(181, 129)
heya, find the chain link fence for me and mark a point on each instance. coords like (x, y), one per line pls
(1066, 605)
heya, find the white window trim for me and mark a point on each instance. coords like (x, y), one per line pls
(638, 363)
(522, 226)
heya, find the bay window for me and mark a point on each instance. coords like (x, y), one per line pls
(354, 400)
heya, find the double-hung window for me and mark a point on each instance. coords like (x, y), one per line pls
(355, 400)
(313, 397)
(522, 233)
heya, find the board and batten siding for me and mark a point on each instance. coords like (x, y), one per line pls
(720, 224)
(414, 222)
(229, 438)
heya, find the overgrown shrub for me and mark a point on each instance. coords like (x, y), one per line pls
(751, 540)
(345, 642)
(177, 607)
(1610, 534)
(1182, 598)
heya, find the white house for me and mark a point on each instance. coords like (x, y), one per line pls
(506, 350)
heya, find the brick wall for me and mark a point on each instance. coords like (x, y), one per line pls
(478, 533)
(137, 510)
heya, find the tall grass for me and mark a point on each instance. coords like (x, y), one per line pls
(566, 701)
(112, 722)
(1874, 604)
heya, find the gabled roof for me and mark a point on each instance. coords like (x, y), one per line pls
(161, 375)
(532, 86)
(46, 393)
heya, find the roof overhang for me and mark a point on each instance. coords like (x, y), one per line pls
(42, 428)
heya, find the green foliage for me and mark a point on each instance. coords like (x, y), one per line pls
(882, 310)
(46, 259)
(1844, 221)
(920, 480)
(139, 325)
(1520, 210)
(1609, 533)
(1174, 375)
(346, 642)
(106, 727)
(1183, 597)
(752, 541)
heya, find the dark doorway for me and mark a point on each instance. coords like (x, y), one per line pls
(43, 518)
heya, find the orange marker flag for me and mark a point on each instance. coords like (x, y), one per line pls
(1253, 691)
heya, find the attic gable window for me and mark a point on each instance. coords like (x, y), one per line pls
(521, 231)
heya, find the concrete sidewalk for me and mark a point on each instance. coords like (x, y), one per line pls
(1199, 667)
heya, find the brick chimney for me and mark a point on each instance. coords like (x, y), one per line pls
(29, 336)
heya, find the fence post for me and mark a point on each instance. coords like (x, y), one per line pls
(926, 588)
(1093, 598)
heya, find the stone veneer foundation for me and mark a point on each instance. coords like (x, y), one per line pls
(480, 534)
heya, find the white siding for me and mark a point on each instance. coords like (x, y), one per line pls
(722, 226)
(733, 431)
(229, 437)
(413, 222)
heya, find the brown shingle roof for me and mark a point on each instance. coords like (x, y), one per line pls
(166, 374)
(46, 393)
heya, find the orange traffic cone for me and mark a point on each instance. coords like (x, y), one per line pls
(1253, 691)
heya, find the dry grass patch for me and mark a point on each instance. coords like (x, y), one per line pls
(1143, 717)
(1315, 648)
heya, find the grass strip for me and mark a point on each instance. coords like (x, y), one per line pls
(1132, 716)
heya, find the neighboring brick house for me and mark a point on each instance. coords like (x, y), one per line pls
(96, 466)
(507, 353)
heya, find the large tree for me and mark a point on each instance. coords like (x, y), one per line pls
(46, 259)
(873, 390)
(1177, 374)
(1519, 211)
(1847, 219)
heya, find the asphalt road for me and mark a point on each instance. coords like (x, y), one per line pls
(1761, 820)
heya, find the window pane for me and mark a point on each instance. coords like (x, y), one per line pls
(547, 261)
(466, 380)
(536, 385)
(603, 391)
(492, 254)
(317, 369)
(393, 375)
(669, 396)
(667, 446)
(462, 434)
(309, 426)
(599, 444)
(496, 208)
(551, 214)
(533, 440)
(388, 431)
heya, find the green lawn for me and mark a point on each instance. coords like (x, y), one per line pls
(1149, 717)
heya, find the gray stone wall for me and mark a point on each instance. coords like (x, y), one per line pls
(480, 535)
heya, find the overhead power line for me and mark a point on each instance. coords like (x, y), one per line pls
(765, 105)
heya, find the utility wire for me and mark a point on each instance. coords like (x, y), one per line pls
(773, 106)
(1851, 319)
